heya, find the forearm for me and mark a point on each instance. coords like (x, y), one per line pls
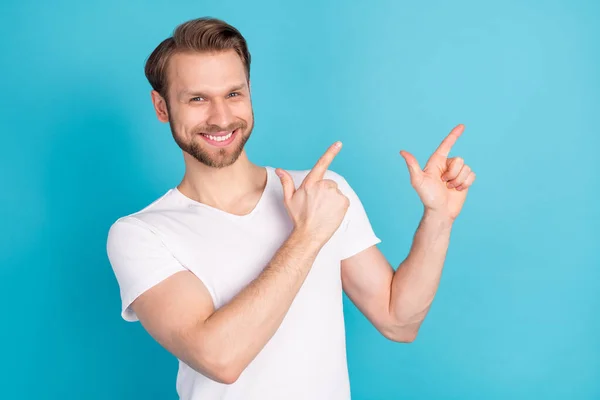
(241, 328)
(416, 280)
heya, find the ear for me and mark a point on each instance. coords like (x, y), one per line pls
(160, 106)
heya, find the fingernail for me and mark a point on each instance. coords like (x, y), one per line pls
(338, 144)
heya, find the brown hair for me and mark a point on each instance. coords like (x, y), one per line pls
(198, 35)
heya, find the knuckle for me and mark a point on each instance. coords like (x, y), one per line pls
(306, 188)
(330, 183)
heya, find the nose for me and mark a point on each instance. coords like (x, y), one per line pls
(220, 114)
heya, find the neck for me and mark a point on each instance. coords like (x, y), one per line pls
(221, 187)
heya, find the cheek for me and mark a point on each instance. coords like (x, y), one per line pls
(241, 107)
(245, 112)
(189, 121)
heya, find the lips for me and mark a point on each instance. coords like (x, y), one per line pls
(220, 139)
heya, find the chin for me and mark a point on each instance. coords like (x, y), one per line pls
(215, 158)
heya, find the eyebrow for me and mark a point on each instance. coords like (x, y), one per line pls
(195, 93)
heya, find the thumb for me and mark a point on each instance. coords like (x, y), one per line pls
(287, 182)
(411, 162)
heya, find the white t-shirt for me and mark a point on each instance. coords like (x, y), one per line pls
(306, 358)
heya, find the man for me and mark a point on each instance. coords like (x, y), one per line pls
(240, 276)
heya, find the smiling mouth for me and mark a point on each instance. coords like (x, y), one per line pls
(220, 138)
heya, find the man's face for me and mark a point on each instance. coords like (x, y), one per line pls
(209, 106)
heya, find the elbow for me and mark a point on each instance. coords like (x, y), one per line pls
(216, 358)
(409, 338)
(219, 367)
(401, 333)
(401, 337)
(222, 371)
(227, 376)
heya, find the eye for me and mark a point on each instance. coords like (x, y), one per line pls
(234, 93)
(196, 98)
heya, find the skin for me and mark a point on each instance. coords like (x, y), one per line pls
(179, 313)
(396, 302)
(220, 177)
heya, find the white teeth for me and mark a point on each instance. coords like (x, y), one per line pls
(220, 138)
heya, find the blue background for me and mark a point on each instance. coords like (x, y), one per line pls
(516, 315)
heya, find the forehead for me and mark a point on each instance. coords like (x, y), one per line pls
(209, 72)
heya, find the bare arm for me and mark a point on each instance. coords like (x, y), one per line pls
(397, 302)
(417, 278)
(179, 313)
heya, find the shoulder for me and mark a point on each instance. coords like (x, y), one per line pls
(139, 225)
(130, 235)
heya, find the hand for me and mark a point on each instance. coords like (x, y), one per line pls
(444, 182)
(317, 207)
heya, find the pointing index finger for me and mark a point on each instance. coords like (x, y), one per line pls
(318, 171)
(448, 142)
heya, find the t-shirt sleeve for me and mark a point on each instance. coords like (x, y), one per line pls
(139, 260)
(356, 231)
